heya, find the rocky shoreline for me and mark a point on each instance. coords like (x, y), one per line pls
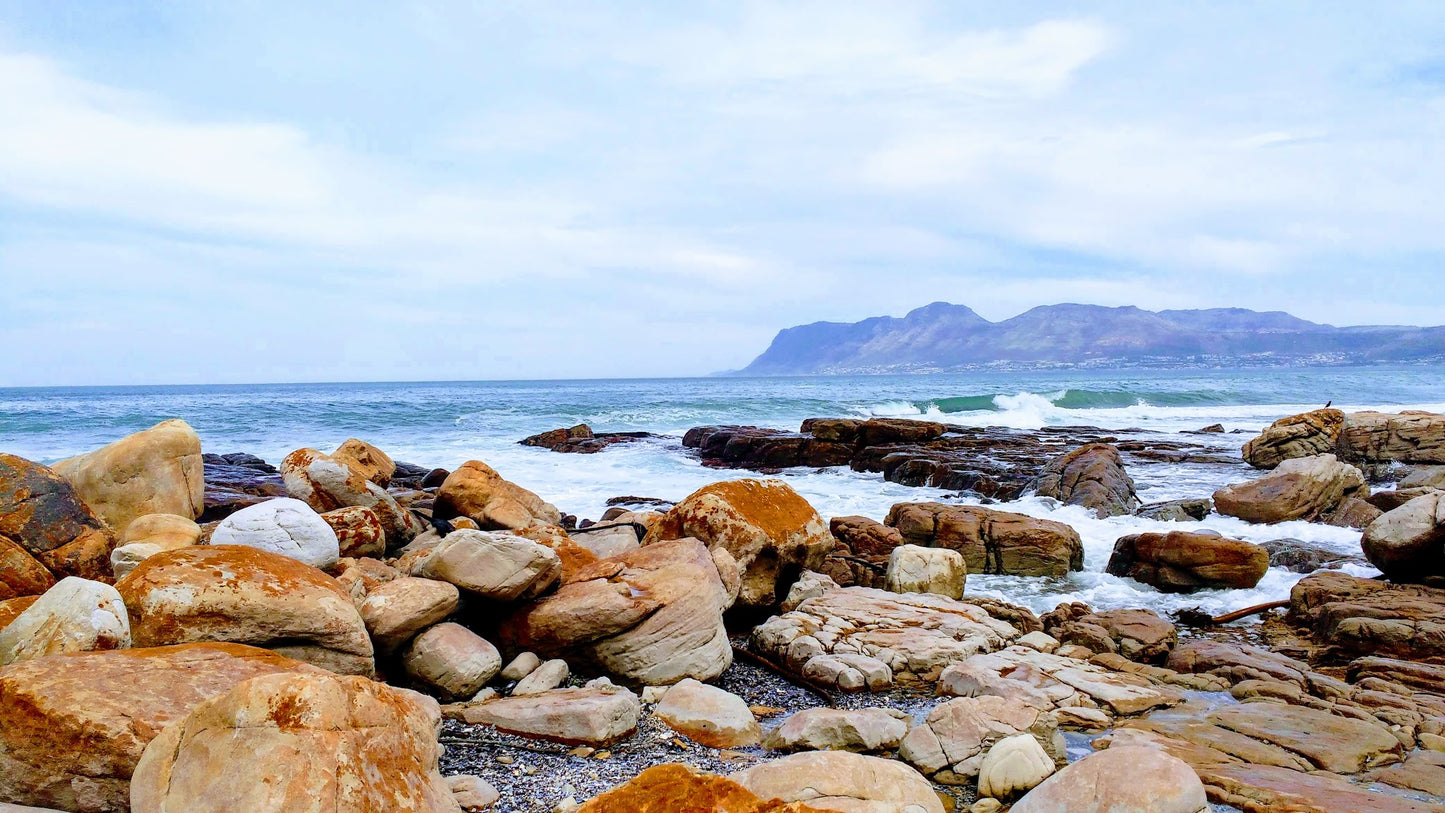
(191, 631)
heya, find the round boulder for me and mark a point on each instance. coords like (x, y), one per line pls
(285, 526)
(156, 471)
(1408, 543)
(1123, 779)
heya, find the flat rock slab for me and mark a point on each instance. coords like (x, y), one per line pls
(1331, 742)
(1262, 787)
(596, 717)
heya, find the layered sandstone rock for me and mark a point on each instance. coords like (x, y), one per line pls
(1139, 635)
(650, 617)
(156, 471)
(477, 491)
(326, 484)
(672, 788)
(1408, 543)
(828, 729)
(1405, 437)
(1354, 616)
(73, 727)
(244, 595)
(1304, 435)
(496, 566)
(46, 531)
(302, 742)
(992, 541)
(1182, 561)
(1066, 685)
(284, 526)
(958, 733)
(770, 531)
(398, 609)
(1308, 488)
(76, 615)
(451, 660)
(861, 556)
(1091, 476)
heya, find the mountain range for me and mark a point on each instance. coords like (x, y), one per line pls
(943, 337)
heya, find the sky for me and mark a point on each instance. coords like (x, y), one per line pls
(209, 192)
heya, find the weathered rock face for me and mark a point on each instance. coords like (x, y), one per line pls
(327, 484)
(451, 660)
(839, 780)
(1123, 779)
(673, 788)
(358, 531)
(477, 491)
(650, 617)
(1406, 437)
(165, 530)
(1139, 635)
(957, 733)
(1181, 561)
(298, 743)
(366, 460)
(840, 634)
(828, 729)
(235, 481)
(1408, 543)
(72, 727)
(76, 615)
(1304, 435)
(861, 556)
(285, 526)
(157, 471)
(597, 716)
(1308, 488)
(708, 715)
(46, 531)
(992, 541)
(1355, 616)
(912, 569)
(249, 596)
(1079, 691)
(1091, 476)
(772, 533)
(496, 566)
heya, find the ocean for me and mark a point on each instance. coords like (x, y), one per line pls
(446, 423)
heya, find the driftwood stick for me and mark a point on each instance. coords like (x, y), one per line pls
(792, 677)
(1196, 618)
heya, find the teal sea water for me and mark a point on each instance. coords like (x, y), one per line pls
(444, 424)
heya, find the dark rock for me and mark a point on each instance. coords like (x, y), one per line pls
(236, 481)
(640, 503)
(1177, 510)
(410, 475)
(862, 536)
(1091, 476)
(46, 531)
(1180, 561)
(580, 439)
(1304, 557)
(434, 478)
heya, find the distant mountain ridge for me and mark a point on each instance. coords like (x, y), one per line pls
(942, 337)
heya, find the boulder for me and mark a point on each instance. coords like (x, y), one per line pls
(708, 715)
(358, 531)
(1299, 556)
(1408, 543)
(1424, 477)
(1139, 635)
(829, 729)
(957, 733)
(547, 676)
(496, 566)
(1091, 476)
(598, 716)
(477, 491)
(995, 542)
(524, 664)
(1406, 437)
(673, 788)
(651, 617)
(606, 539)
(156, 471)
(771, 531)
(284, 526)
(244, 595)
(1186, 510)
(451, 660)
(1308, 488)
(300, 742)
(168, 531)
(397, 610)
(912, 569)
(72, 727)
(327, 484)
(1012, 766)
(46, 531)
(862, 536)
(366, 460)
(1123, 779)
(1304, 435)
(1182, 561)
(1354, 616)
(842, 781)
(76, 615)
